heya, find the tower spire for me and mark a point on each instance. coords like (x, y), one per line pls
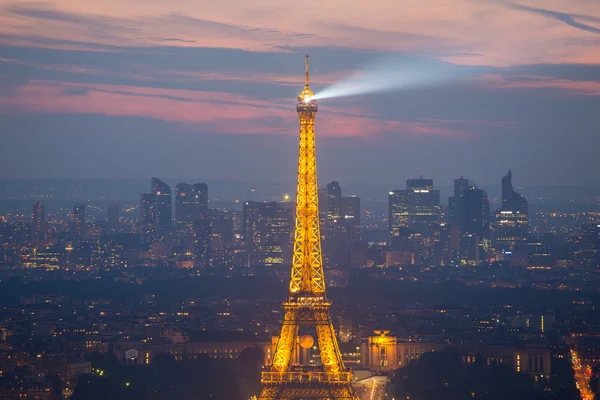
(306, 85)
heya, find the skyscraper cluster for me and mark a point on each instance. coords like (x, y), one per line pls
(466, 235)
(193, 222)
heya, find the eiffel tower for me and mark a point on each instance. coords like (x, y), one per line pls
(307, 309)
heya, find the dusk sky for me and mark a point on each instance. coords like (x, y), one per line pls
(206, 89)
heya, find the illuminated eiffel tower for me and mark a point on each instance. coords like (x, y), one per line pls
(307, 309)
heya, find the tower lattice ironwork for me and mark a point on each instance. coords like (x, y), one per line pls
(307, 307)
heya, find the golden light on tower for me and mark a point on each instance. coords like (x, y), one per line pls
(307, 306)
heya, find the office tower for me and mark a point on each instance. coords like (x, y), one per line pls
(512, 223)
(163, 207)
(148, 218)
(39, 225)
(334, 207)
(79, 222)
(424, 206)
(417, 207)
(398, 211)
(268, 231)
(191, 202)
(184, 204)
(202, 227)
(351, 216)
(469, 214)
(112, 216)
(222, 237)
(307, 309)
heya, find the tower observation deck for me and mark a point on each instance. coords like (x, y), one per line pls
(307, 310)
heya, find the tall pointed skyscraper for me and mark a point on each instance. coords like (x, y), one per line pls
(512, 221)
(307, 310)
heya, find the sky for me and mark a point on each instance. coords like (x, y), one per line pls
(205, 89)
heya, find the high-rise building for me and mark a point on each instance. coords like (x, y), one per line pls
(79, 222)
(148, 218)
(163, 206)
(512, 220)
(417, 207)
(334, 207)
(267, 229)
(191, 202)
(469, 215)
(351, 217)
(39, 225)
(424, 206)
(398, 211)
(112, 216)
(203, 253)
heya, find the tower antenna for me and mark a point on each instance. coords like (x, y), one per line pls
(306, 78)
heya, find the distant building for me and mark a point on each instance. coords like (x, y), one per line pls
(39, 225)
(163, 206)
(112, 216)
(469, 215)
(191, 201)
(148, 218)
(203, 252)
(79, 230)
(417, 207)
(512, 220)
(351, 216)
(268, 230)
(334, 207)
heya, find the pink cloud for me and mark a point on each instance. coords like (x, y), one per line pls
(211, 111)
(465, 31)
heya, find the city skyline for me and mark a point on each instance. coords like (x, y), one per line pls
(179, 79)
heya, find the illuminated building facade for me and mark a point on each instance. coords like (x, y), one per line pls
(307, 309)
(267, 229)
(512, 220)
(382, 354)
(147, 218)
(163, 207)
(417, 208)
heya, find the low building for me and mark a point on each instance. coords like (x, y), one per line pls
(382, 354)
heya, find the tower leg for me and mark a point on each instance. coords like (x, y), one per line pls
(285, 344)
(330, 352)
